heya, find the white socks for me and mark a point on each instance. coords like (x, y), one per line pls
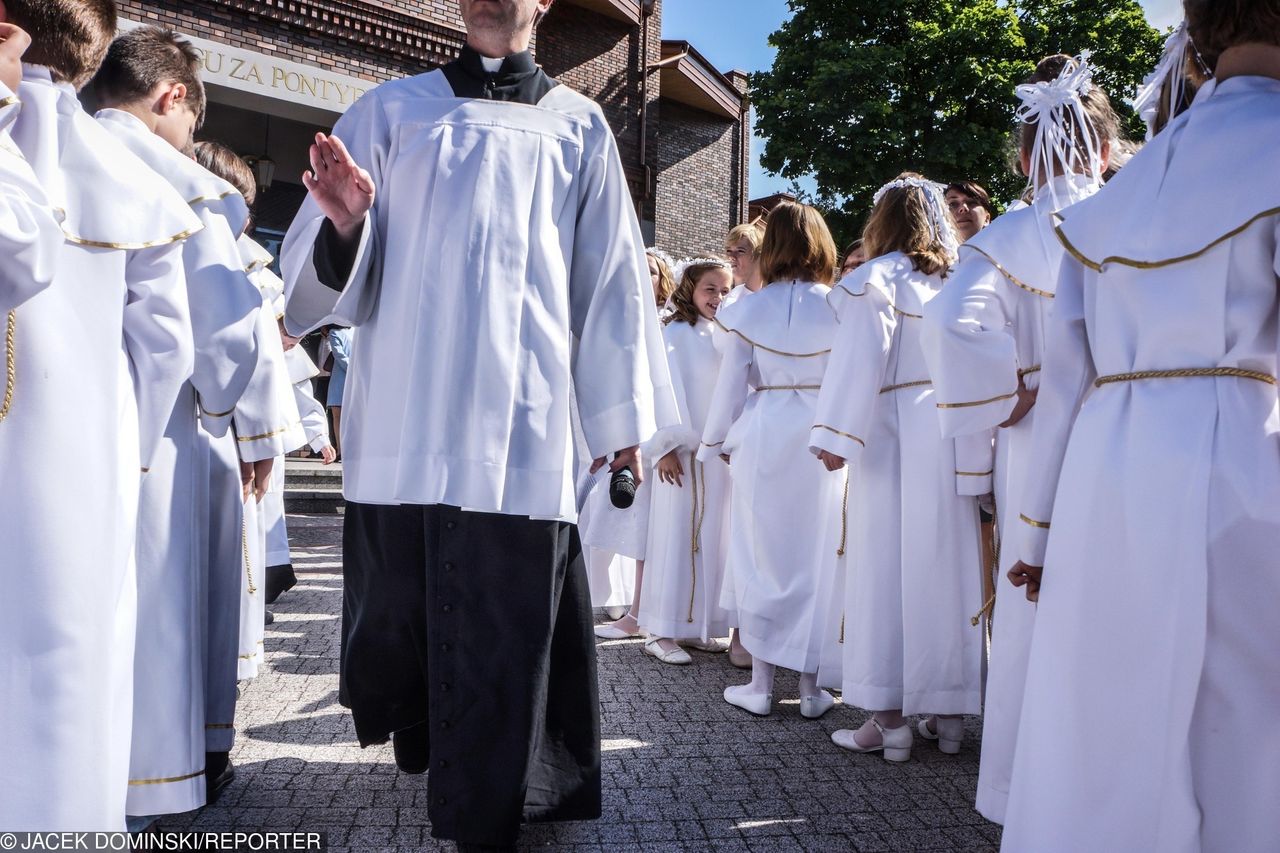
(761, 680)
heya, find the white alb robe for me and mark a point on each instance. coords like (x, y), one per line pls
(914, 562)
(167, 762)
(689, 524)
(30, 230)
(785, 505)
(563, 218)
(98, 358)
(268, 425)
(981, 333)
(1154, 507)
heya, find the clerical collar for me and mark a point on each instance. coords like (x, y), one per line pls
(518, 79)
(515, 65)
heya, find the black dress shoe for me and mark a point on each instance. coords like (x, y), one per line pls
(280, 579)
(218, 774)
(412, 747)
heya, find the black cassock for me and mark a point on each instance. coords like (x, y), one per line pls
(478, 625)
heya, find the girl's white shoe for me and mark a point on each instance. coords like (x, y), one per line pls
(949, 736)
(759, 704)
(895, 743)
(677, 656)
(813, 707)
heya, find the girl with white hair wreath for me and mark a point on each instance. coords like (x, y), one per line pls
(984, 342)
(912, 573)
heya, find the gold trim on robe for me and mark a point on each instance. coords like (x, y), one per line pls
(10, 364)
(770, 349)
(167, 781)
(977, 402)
(1097, 266)
(268, 434)
(1043, 525)
(1014, 280)
(841, 434)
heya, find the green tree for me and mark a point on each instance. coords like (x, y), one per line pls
(861, 90)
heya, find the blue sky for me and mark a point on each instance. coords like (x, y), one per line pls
(735, 33)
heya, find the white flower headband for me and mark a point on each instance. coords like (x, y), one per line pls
(662, 256)
(682, 265)
(1169, 75)
(935, 204)
(1048, 106)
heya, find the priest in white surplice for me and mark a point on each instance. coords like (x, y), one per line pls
(489, 254)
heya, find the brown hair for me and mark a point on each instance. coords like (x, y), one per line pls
(750, 232)
(682, 308)
(70, 37)
(975, 192)
(141, 60)
(900, 223)
(666, 284)
(229, 166)
(1216, 25)
(797, 244)
(1103, 122)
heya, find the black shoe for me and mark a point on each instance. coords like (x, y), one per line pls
(465, 847)
(280, 579)
(412, 747)
(270, 618)
(218, 774)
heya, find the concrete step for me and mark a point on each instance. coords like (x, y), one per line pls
(311, 487)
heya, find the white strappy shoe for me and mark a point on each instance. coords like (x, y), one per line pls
(895, 743)
(676, 656)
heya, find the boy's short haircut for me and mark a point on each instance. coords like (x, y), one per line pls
(142, 59)
(69, 37)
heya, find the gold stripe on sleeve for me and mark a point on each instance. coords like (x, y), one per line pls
(975, 473)
(1043, 525)
(841, 434)
(977, 402)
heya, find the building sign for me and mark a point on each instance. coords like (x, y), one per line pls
(279, 79)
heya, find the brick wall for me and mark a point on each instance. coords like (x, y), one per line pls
(699, 188)
(601, 58)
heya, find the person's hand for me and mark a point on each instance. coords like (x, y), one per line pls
(328, 454)
(342, 190)
(628, 457)
(1026, 400)
(1029, 576)
(14, 42)
(830, 460)
(670, 470)
(246, 480)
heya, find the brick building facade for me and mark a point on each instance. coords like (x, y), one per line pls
(279, 70)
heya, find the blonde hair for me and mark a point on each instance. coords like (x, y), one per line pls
(666, 282)
(900, 223)
(683, 309)
(797, 245)
(751, 233)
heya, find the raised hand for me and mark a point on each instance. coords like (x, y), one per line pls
(343, 191)
(13, 44)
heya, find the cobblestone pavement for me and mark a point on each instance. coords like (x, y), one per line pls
(682, 770)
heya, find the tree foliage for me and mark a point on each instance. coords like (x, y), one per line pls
(861, 90)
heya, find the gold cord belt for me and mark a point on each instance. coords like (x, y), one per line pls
(1186, 373)
(917, 384)
(697, 514)
(788, 388)
(10, 364)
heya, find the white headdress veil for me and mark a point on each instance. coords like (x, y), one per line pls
(1168, 82)
(682, 265)
(935, 205)
(1055, 108)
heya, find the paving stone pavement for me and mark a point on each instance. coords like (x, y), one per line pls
(682, 769)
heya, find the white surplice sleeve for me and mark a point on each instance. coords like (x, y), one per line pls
(314, 422)
(680, 435)
(30, 234)
(972, 357)
(157, 338)
(315, 295)
(620, 372)
(224, 310)
(855, 374)
(975, 463)
(267, 422)
(1068, 372)
(730, 397)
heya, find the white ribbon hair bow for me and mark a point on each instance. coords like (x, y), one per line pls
(1168, 82)
(1049, 106)
(935, 205)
